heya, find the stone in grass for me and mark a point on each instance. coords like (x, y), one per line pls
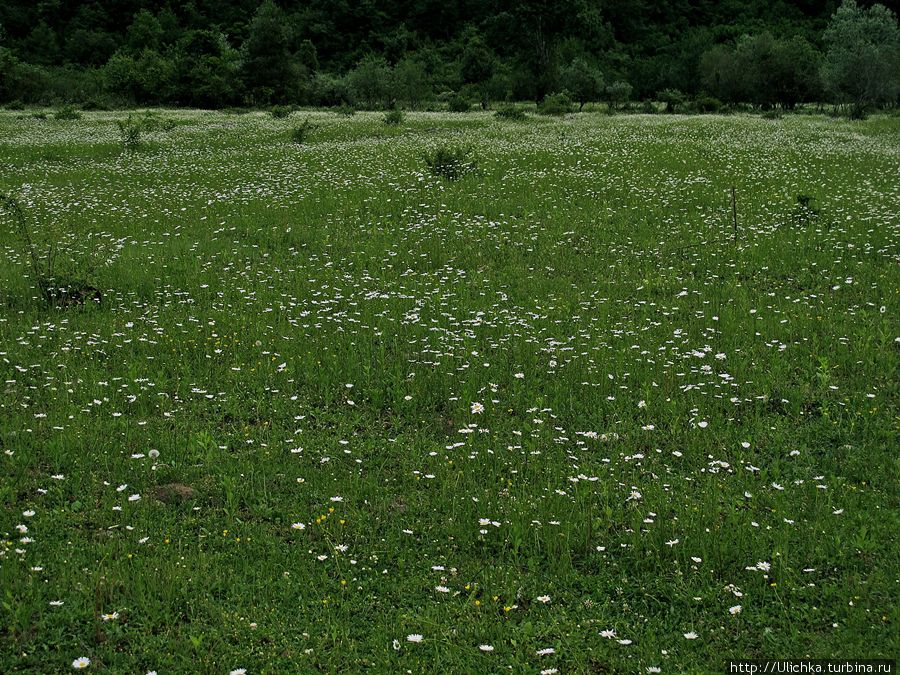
(174, 493)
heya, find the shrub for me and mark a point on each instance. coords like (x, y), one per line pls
(393, 117)
(280, 112)
(510, 112)
(130, 132)
(15, 105)
(450, 163)
(707, 104)
(618, 94)
(300, 134)
(67, 112)
(132, 129)
(346, 109)
(556, 104)
(772, 114)
(57, 283)
(673, 98)
(458, 104)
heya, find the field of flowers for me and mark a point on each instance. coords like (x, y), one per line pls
(336, 413)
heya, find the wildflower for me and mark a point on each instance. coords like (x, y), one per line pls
(414, 637)
(298, 526)
(543, 598)
(608, 633)
(735, 610)
(81, 663)
(238, 671)
(477, 408)
(110, 617)
(396, 645)
(545, 652)
(690, 636)
(486, 648)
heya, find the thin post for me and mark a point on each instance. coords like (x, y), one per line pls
(734, 211)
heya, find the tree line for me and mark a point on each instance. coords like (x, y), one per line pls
(414, 53)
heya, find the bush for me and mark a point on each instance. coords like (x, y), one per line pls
(130, 132)
(15, 105)
(57, 261)
(393, 117)
(450, 163)
(772, 114)
(280, 112)
(458, 104)
(300, 134)
(132, 129)
(67, 112)
(673, 98)
(510, 112)
(556, 104)
(706, 104)
(618, 94)
(346, 110)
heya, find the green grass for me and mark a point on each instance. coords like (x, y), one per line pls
(582, 286)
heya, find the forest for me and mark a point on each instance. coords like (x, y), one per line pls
(422, 53)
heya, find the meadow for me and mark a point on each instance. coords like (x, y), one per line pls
(336, 413)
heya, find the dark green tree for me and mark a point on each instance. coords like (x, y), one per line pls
(270, 72)
(862, 58)
(583, 82)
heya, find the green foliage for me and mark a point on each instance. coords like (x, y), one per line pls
(370, 81)
(556, 104)
(300, 134)
(394, 117)
(54, 262)
(762, 70)
(280, 112)
(862, 58)
(269, 70)
(67, 112)
(618, 94)
(130, 131)
(706, 104)
(584, 82)
(511, 112)
(410, 83)
(458, 104)
(262, 53)
(450, 162)
(673, 98)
